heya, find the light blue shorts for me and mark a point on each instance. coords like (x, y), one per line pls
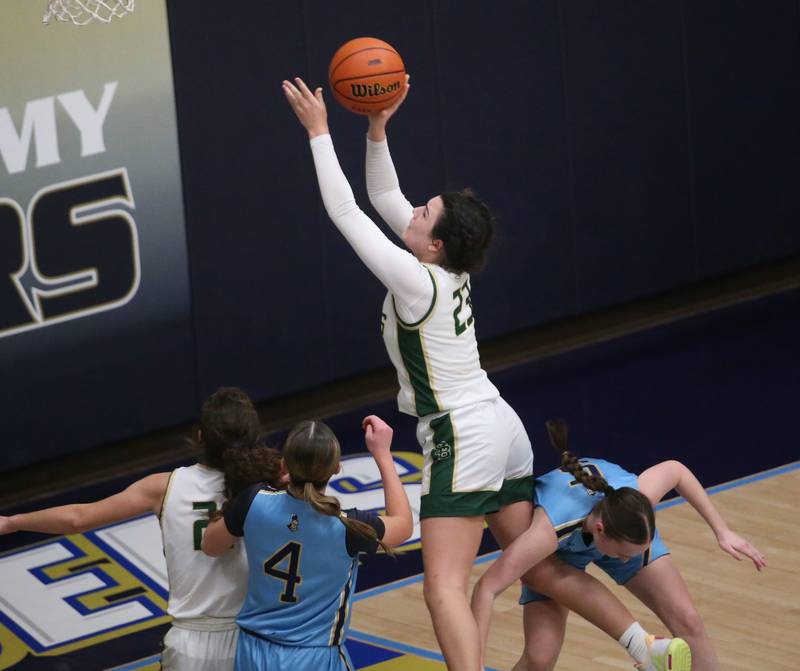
(254, 653)
(620, 571)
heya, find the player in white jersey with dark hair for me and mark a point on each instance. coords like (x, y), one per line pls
(205, 594)
(478, 460)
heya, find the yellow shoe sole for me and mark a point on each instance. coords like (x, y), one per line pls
(679, 656)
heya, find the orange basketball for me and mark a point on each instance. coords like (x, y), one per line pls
(366, 75)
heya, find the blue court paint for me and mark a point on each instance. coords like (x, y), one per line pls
(365, 654)
(400, 647)
(138, 664)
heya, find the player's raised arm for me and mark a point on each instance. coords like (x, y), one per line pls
(383, 186)
(662, 478)
(397, 521)
(396, 268)
(143, 496)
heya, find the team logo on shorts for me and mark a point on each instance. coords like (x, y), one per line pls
(292, 526)
(442, 451)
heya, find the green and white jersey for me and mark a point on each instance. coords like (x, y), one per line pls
(437, 360)
(200, 587)
(427, 316)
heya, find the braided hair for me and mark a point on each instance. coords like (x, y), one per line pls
(312, 455)
(626, 513)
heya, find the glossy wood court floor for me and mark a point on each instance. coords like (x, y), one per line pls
(753, 618)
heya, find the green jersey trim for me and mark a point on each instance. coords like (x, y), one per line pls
(443, 455)
(418, 323)
(412, 351)
(415, 360)
(167, 491)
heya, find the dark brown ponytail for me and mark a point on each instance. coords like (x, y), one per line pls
(312, 456)
(626, 513)
(557, 431)
(228, 419)
(231, 441)
(245, 467)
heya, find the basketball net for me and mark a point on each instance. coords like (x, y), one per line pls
(81, 12)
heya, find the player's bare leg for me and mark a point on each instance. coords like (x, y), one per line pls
(449, 548)
(580, 593)
(660, 587)
(510, 522)
(544, 624)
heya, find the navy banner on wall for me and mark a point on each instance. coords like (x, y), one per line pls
(94, 300)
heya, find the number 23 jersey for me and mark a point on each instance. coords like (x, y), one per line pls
(437, 360)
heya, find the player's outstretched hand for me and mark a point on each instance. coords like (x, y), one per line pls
(309, 107)
(378, 120)
(385, 114)
(738, 548)
(377, 435)
(5, 525)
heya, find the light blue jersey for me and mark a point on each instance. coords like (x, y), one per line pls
(302, 570)
(568, 503)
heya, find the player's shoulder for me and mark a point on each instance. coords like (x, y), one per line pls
(263, 492)
(358, 543)
(267, 494)
(197, 472)
(266, 499)
(256, 498)
(443, 277)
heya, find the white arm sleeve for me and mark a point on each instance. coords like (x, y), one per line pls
(383, 187)
(398, 270)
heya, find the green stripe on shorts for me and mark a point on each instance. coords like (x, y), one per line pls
(443, 456)
(515, 490)
(441, 501)
(466, 504)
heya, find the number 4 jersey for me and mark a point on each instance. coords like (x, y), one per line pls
(437, 360)
(302, 564)
(200, 586)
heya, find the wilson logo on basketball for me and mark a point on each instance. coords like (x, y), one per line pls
(369, 90)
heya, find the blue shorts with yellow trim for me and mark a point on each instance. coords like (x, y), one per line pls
(620, 571)
(254, 653)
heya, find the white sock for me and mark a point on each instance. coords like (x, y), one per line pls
(634, 640)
